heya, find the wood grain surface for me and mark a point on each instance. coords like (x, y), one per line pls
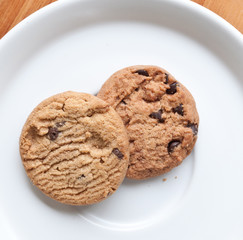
(13, 11)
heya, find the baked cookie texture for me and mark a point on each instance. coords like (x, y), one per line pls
(74, 148)
(160, 116)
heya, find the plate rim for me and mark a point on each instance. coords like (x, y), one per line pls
(221, 22)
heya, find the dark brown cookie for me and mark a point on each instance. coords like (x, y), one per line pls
(160, 116)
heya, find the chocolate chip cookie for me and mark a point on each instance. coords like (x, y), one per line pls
(160, 116)
(75, 148)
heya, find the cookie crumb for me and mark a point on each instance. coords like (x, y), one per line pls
(164, 179)
(175, 177)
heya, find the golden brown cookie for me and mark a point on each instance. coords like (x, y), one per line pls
(74, 148)
(160, 116)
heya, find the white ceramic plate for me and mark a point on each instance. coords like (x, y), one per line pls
(77, 45)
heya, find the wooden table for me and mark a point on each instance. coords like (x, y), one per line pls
(13, 11)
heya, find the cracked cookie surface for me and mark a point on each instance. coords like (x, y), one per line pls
(74, 148)
(160, 116)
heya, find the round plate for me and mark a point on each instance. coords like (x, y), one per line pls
(77, 45)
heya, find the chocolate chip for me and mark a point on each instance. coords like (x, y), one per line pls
(166, 78)
(179, 110)
(172, 88)
(102, 161)
(122, 101)
(142, 72)
(194, 128)
(82, 176)
(136, 89)
(53, 133)
(157, 115)
(117, 152)
(60, 124)
(172, 145)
